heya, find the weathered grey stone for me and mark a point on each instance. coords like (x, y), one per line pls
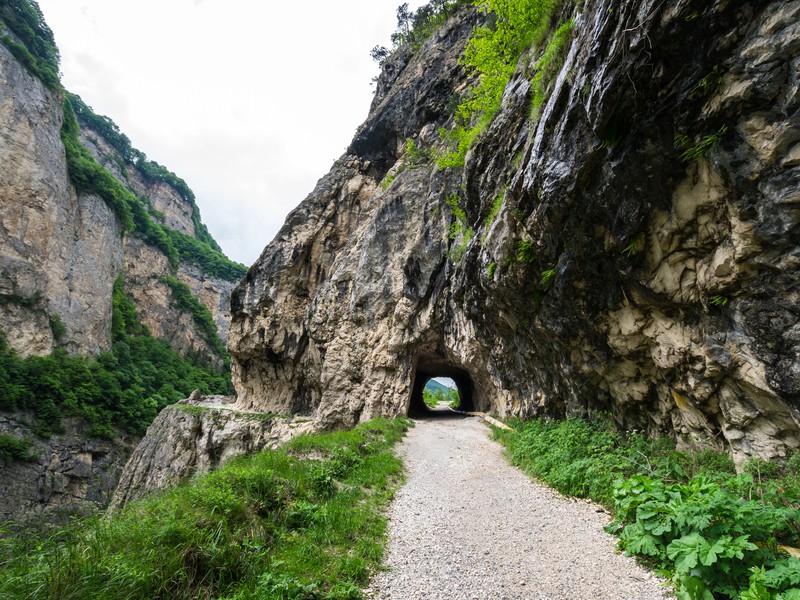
(195, 436)
(60, 254)
(674, 301)
(69, 473)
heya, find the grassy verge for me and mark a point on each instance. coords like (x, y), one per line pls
(304, 521)
(715, 533)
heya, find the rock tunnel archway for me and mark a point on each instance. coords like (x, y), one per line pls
(427, 369)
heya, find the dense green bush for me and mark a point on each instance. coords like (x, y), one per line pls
(14, 449)
(198, 253)
(124, 388)
(38, 51)
(715, 533)
(305, 521)
(186, 301)
(492, 53)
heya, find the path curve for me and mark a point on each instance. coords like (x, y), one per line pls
(469, 525)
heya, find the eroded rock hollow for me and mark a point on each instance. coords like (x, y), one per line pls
(630, 247)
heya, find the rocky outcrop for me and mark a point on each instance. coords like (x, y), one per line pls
(59, 252)
(67, 473)
(195, 436)
(642, 258)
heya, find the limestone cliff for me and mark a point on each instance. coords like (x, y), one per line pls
(631, 247)
(61, 251)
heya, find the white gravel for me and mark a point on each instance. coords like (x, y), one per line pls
(468, 525)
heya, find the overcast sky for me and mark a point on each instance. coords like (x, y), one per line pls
(249, 102)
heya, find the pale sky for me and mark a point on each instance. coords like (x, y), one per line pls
(249, 102)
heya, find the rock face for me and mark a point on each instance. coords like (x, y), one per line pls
(59, 252)
(60, 255)
(644, 259)
(68, 472)
(195, 436)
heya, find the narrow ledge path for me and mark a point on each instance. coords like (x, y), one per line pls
(469, 525)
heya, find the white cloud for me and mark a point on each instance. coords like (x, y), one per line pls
(249, 102)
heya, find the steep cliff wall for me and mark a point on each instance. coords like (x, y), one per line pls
(63, 245)
(60, 252)
(629, 245)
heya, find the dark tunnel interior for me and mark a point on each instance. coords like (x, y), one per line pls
(429, 369)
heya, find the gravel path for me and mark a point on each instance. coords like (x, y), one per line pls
(468, 525)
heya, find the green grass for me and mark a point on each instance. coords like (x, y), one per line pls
(304, 521)
(716, 534)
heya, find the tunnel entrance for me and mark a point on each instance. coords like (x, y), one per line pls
(428, 371)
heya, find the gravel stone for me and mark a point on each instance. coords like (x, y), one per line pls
(469, 525)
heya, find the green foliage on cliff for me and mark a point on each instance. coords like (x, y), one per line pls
(548, 65)
(712, 531)
(124, 388)
(414, 27)
(197, 253)
(460, 231)
(150, 170)
(15, 449)
(37, 50)
(89, 177)
(186, 302)
(305, 521)
(492, 52)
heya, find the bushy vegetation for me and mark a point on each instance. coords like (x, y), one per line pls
(492, 53)
(149, 169)
(715, 533)
(301, 522)
(37, 52)
(414, 27)
(187, 302)
(89, 177)
(124, 388)
(212, 262)
(15, 449)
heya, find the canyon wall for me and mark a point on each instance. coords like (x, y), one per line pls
(61, 252)
(629, 246)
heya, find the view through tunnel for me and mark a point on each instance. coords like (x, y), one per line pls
(441, 376)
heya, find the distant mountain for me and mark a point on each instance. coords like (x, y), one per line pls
(434, 385)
